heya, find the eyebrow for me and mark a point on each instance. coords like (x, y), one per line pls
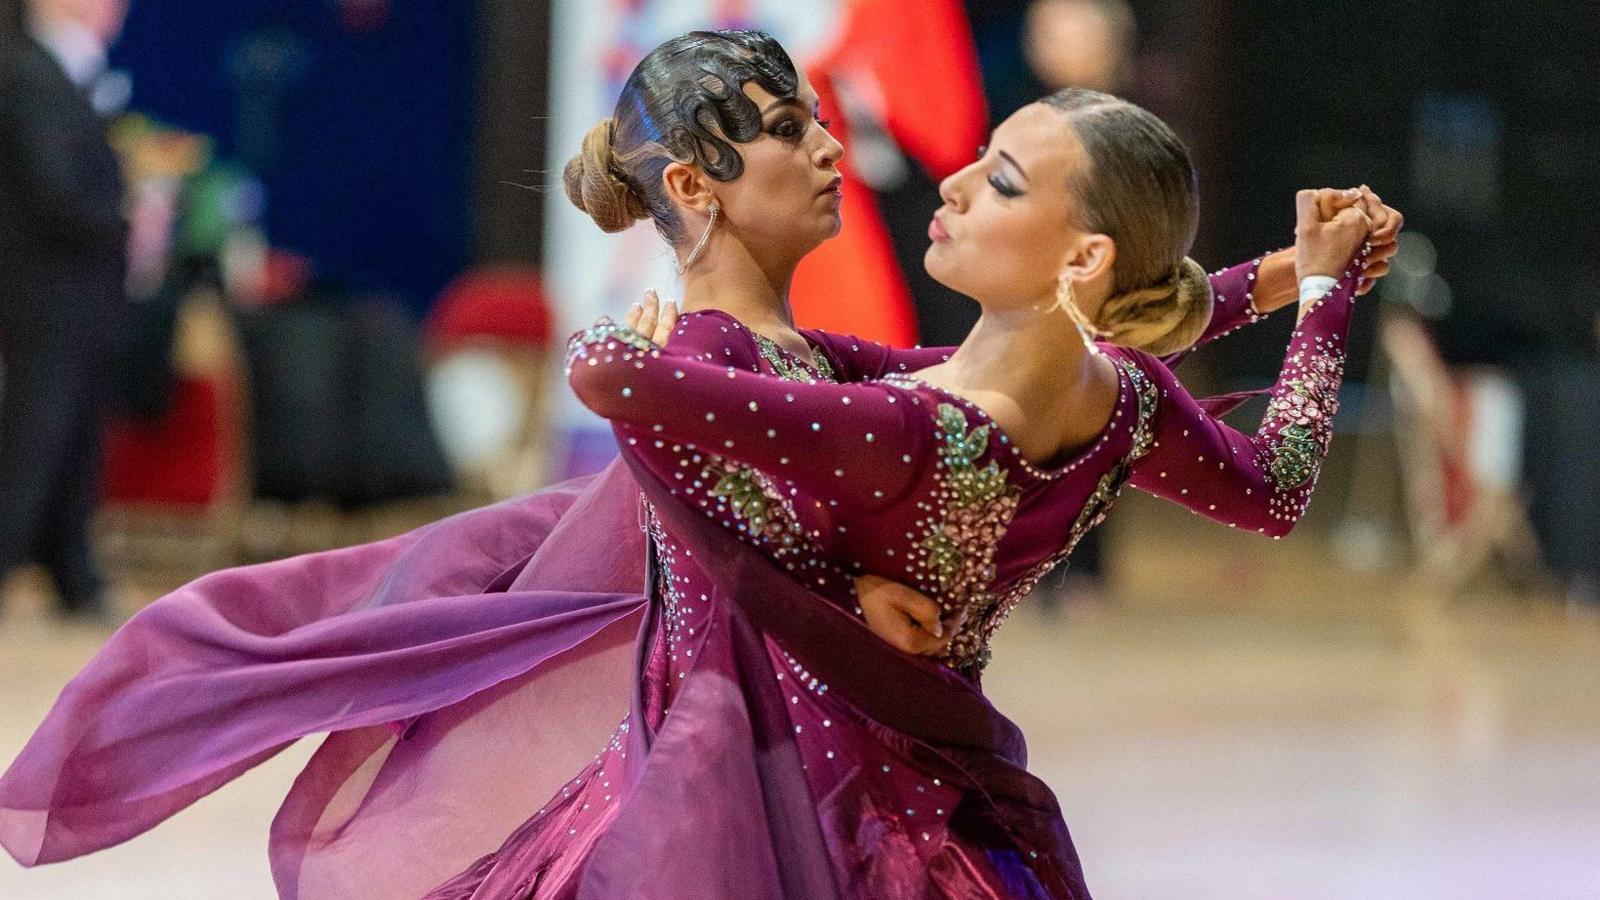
(1016, 165)
(789, 101)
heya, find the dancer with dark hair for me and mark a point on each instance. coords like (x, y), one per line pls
(907, 478)
(469, 669)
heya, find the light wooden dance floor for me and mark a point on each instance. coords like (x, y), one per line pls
(1240, 720)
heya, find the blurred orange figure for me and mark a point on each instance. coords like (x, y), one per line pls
(921, 73)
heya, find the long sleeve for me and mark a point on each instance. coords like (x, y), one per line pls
(862, 446)
(1233, 292)
(859, 360)
(1261, 481)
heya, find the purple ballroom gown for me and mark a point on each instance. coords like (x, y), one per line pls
(466, 670)
(830, 481)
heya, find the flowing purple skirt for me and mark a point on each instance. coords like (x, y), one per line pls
(467, 671)
(501, 640)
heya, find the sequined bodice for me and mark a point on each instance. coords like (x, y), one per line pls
(950, 534)
(891, 476)
(970, 555)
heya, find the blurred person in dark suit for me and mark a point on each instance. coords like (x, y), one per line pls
(62, 262)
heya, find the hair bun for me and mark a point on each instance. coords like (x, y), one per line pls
(1164, 318)
(594, 186)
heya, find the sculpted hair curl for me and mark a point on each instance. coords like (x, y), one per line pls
(684, 102)
(1140, 188)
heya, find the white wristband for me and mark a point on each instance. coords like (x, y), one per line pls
(1315, 287)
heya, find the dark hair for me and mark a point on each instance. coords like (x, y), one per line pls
(684, 103)
(1140, 188)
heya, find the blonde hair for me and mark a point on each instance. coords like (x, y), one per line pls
(1164, 318)
(1140, 188)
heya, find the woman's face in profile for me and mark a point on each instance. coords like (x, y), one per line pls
(1004, 229)
(787, 200)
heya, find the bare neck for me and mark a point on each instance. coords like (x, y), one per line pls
(1031, 372)
(729, 278)
(1022, 354)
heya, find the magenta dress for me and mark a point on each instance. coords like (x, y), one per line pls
(768, 746)
(828, 481)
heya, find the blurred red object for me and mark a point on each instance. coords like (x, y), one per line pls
(499, 313)
(284, 276)
(182, 460)
(503, 303)
(916, 65)
(1459, 439)
(919, 74)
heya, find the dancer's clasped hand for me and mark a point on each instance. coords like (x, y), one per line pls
(1385, 224)
(903, 616)
(1324, 242)
(1385, 237)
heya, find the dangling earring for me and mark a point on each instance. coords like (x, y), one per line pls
(1068, 303)
(701, 245)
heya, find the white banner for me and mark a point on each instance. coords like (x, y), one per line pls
(594, 46)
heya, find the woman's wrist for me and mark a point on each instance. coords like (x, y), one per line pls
(1315, 287)
(1276, 285)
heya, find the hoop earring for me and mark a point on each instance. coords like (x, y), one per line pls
(701, 244)
(1067, 302)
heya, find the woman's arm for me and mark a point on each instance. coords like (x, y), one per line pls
(1242, 294)
(857, 446)
(1261, 481)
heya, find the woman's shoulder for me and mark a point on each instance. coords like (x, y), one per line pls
(856, 358)
(844, 351)
(714, 336)
(1144, 371)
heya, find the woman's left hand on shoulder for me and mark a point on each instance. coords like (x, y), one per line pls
(652, 318)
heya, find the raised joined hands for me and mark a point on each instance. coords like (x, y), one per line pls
(1330, 224)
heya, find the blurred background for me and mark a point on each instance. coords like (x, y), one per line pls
(319, 295)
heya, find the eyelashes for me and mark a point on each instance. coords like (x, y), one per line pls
(1002, 188)
(790, 128)
(1000, 185)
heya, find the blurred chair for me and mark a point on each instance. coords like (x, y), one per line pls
(175, 487)
(1460, 442)
(489, 344)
